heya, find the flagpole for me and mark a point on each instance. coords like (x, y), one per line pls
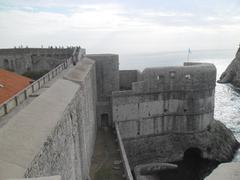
(189, 51)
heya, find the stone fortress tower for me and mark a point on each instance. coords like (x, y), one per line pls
(166, 112)
(107, 74)
(171, 99)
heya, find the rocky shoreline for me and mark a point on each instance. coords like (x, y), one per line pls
(195, 155)
(232, 73)
(217, 143)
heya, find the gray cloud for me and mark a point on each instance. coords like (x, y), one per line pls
(116, 27)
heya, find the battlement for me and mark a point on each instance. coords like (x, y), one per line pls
(191, 76)
(37, 51)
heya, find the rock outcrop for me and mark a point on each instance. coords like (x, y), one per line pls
(232, 73)
(215, 143)
(147, 171)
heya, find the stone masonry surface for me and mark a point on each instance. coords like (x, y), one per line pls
(22, 60)
(58, 129)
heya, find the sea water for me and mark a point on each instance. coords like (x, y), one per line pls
(227, 98)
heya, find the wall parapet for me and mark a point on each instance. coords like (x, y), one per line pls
(37, 50)
(126, 166)
(132, 92)
(191, 76)
(7, 106)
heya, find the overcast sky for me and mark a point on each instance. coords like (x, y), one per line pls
(121, 26)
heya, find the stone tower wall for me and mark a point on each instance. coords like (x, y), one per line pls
(107, 73)
(171, 99)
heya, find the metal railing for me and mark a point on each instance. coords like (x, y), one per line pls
(126, 166)
(24, 94)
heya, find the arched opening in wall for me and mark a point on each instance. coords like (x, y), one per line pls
(192, 155)
(104, 120)
(5, 64)
(191, 167)
(194, 166)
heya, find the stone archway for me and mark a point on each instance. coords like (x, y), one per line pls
(192, 154)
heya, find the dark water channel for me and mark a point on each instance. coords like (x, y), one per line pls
(192, 167)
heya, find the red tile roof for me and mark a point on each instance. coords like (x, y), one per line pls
(11, 83)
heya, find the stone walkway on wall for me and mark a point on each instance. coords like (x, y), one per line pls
(4, 119)
(106, 164)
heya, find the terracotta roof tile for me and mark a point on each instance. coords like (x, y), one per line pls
(11, 83)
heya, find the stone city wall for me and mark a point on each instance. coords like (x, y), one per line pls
(24, 94)
(37, 51)
(55, 133)
(33, 59)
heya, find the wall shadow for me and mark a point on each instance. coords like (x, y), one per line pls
(192, 167)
